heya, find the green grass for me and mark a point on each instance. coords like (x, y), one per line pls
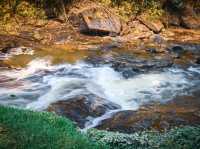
(21, 129)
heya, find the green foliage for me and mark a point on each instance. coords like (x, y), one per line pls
(10, 9)
(26, 9)
(154, 10)
(178, 138)
(127, 8)
(21, 129)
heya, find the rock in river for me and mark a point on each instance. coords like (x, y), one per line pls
(183, 110)
(129, 65)
(81, 108)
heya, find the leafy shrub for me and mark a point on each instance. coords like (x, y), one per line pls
(26, 9)
(19, 8)
(177, 138)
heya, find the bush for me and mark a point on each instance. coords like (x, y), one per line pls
(18, 9)
(177, 138)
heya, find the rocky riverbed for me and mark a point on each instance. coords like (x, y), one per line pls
(101, 72)
(105, 84)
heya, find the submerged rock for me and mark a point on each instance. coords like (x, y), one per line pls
(82, 108)
(96, 20)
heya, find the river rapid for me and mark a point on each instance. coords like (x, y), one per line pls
(42, 82)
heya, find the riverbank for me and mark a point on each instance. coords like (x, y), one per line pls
(30, 130)
(30, 70)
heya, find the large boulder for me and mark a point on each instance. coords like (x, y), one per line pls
(96, 20)
(81, 108)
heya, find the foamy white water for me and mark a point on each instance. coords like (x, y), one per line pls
(96, 121)
(131, 93)
(33, 67)
(43, 84)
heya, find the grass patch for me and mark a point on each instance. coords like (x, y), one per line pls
(21, 129)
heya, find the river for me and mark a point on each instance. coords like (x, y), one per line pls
(43, 80)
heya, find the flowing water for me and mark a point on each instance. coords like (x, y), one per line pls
(42, 82)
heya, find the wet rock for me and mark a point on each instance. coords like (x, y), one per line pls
(155, 26)
(185, 49)
(127, 122)
(81, 108)
(178, 112)
(182, 48)
(197, 60)
(130, 65)
(177, 51)
(96, 20)
(151, 50)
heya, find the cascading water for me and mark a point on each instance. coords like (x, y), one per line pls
(41, 84)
